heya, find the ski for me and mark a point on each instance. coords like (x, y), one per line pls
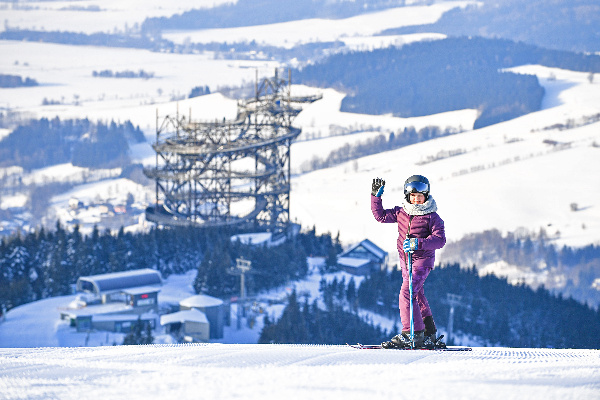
(378, 346)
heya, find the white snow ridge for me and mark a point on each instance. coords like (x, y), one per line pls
(230, 371)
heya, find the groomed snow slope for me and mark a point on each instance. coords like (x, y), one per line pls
(219, 371)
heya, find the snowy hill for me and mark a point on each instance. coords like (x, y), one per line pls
(509, 176)
(348, 30)
(93, 16)
(219, 371)
(493, 163)
(521, 175)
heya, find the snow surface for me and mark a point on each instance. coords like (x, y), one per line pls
(4, 132)
(238, 371)
(65, 74)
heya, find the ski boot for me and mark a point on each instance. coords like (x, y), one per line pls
(431, 342)
(402, 341)
(390, 345)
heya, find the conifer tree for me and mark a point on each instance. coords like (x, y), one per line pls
(140, 333)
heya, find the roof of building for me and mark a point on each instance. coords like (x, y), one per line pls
(201, 301)
(141, 290)
(352, 262)
(117, 281)
(183, 316)
(368, 246)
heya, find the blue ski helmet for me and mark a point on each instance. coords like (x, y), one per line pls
(416, 184)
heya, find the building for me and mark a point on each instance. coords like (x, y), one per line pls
(115, 301)
(362, 258)
(188, 325)
(106, 285)
(138, 288)
(213, 308)
(199, 319)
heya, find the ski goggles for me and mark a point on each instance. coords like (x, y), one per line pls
(416, 187)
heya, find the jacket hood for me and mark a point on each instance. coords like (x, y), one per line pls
(428, 207)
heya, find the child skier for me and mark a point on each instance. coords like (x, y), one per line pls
(421, 232)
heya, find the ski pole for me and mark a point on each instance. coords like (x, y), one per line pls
(410, 288)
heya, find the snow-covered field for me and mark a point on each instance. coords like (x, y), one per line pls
(290, 34)
(92, 16)
(65, 75)
(229, 371)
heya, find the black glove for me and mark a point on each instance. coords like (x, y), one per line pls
(377, 188)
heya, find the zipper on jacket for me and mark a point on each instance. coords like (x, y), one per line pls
(410, 218)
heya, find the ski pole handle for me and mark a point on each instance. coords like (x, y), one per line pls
(410, 288)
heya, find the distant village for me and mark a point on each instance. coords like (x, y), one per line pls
(106, 214)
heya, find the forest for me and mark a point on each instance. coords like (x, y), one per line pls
(199, 91)
(14, 81)
(83, 39)
(573, 24)
(537, 252)
(490, 309)
(306, 323)
(108, 73)
(425, 78)
(502, 314)
(46, 263)
(41, 143)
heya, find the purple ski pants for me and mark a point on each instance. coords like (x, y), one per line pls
(420, 305)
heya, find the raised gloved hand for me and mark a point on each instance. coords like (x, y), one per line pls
(377, 187)
(410, 245)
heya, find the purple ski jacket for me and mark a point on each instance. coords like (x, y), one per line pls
(428, 227)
